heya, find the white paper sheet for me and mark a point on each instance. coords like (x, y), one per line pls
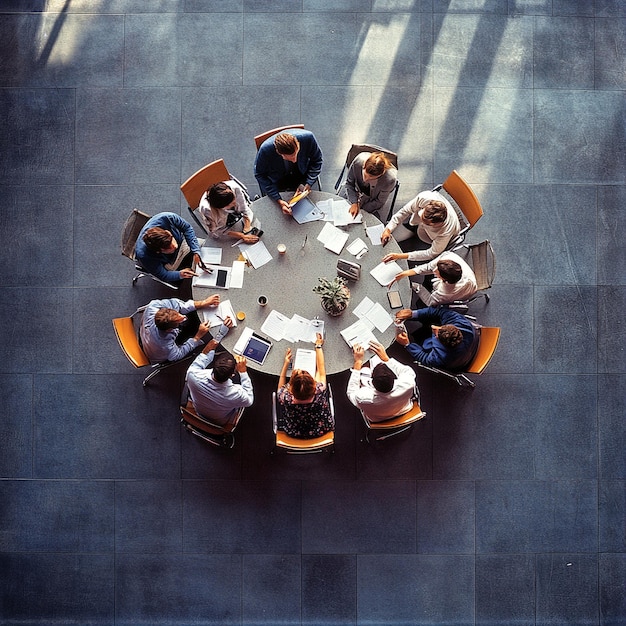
(305, 359)
(341, 213)
(374, 233)
(211, 256)
(332, 238)
(237, 274)
(213, 316)
(275, 325)
(384, 273)
(360, 332)
(257, 253)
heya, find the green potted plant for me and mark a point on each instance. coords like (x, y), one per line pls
(334, 295)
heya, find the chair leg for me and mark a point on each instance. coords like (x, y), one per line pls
(156, 369)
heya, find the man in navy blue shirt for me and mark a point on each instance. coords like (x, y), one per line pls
(451, 339)
(289, 160)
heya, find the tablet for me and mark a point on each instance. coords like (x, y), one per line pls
(256, 349)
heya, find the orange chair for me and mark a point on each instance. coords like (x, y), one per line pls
(488, 342)
(195, 186)
(259, 139)
(293, 445)
(463, 196)
(127, 337)
(395, 425)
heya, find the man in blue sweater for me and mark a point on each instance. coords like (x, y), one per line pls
(289, 160)
(451, 340)
(167, 247)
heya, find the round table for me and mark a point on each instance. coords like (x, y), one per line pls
(288, 279)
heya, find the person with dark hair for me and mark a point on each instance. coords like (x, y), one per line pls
(304, 402)
(291, 160)
(371, 178)
(215, 393)
(384, 391)
(171, 329)
(167, 247)
(429, 216)
(225, 211)
(453, 279)
(447, 339)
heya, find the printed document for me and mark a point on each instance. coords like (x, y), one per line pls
(384, 273)
(332, 238)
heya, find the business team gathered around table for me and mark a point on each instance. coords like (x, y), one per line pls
(307, 281)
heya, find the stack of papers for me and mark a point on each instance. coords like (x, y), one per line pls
(359, 333)
(338, 211)
(279, 326)
(384, 273)
(306, 211)
(374, 233)
(332, 238)
(256, 253)
(374, 313)
(214, 316)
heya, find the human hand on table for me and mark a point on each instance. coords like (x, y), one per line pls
(404, 314)
(187, 273)
(284, 207)
(358, 351)
(241, 365)
(379, 350)
(385, 236)
(354, 209)
(210, 301)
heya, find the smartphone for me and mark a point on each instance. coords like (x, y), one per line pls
(395, 302)
(222, 275)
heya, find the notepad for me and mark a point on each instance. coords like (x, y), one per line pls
(305, 360)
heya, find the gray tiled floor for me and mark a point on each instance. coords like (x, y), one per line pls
(506, 505)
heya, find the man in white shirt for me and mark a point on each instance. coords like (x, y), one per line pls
(453, 280)
(383, 392)
(214, 393)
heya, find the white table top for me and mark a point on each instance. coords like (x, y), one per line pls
(287, 281)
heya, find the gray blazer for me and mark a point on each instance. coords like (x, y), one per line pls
(370, 196)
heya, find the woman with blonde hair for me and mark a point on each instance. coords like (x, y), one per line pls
(304, 402)
(371, 178)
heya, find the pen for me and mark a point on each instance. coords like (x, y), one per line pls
(305, 240)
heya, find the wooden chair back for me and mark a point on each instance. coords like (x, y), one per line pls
(198, 183)
(489, 337)
(259, 139)
(127, 338)
(464, 196)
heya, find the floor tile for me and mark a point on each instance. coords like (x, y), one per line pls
(37, 588)
(16, 426)
(612, 568)
(536, 516)
(329, 589)
(609, 53)
(38, 145)
(146, 122)
(104, 440)
(567, 588)
(612, 521)
(271, 589)
(445, 517)
(358, 517)
(611, 429)
(211, 505)
(183, 588)
(148, 516)
(597, 114)
(505, 589)
(611, 232)
(564, 53)
(405, 589)
(611, 329)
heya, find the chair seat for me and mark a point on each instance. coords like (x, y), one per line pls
(285, 441)
(413, 415)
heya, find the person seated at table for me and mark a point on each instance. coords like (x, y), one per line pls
(287, 161)
(303, 402)
(219, 383)
(371, 178)
(447, 339)
(383, 392)
(432, 218)
(225, 211)
(453, 279)
(167, 247)
(171, 329)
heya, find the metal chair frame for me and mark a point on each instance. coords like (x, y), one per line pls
(482, 259)
(395, 425)
(127, 337)
(130, 232)
(354, 151)
(293, 445)
(488, 342)
(212, 433)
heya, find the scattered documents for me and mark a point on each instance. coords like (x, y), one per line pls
(384, 273)
(236, 275)
(358, 248)
(297, 328)
(256, 253)
(211, 256)
(274, 325)
(359, 333)
(215, 316)
(332, 238)
(306, 211)
(375, 313)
